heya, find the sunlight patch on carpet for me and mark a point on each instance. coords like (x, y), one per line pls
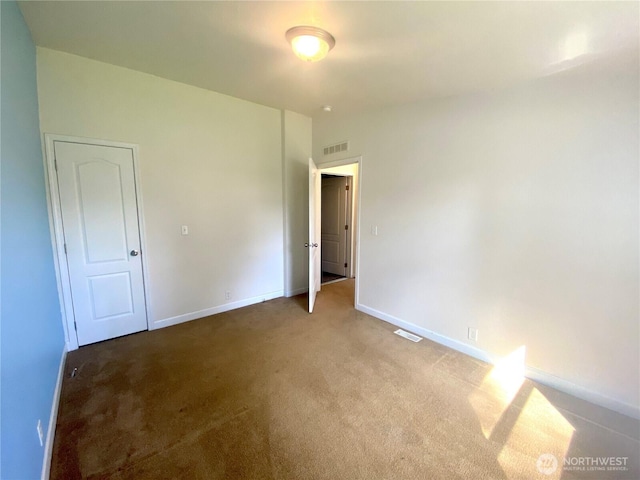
(538, 441)
(498, 389)
(514, 414)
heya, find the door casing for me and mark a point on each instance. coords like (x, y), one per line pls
(57, 231)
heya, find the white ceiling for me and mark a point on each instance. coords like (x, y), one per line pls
(385, 53)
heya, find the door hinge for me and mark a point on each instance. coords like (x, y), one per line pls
(75, 326)
(347, 187)
(346, 227)
(55, 163)
(345, 265)
(65, 248)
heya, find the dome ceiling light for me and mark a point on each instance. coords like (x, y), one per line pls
(310, 43)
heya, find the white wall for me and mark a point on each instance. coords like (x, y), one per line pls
(296, 153)
(207, 160)
(515, 212)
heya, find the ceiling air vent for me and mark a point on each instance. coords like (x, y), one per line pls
(337, 148)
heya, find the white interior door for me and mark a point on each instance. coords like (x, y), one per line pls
(314, 232)
(334, 225)
(102, 239)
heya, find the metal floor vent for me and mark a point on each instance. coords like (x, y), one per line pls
(407, 335)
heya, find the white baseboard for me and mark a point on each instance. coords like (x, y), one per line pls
(53, 419)
(423, 332)
(167, 322)
(530, 372)
(582, 392)
(297, 291)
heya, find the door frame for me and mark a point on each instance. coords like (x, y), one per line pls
(339, 163)
(351, 272)
(57, 230)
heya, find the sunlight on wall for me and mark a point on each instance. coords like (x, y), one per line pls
(539, 430)
(575, 45)
(498, 390)
(573, 51)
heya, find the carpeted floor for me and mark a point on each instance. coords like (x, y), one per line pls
(271, 392)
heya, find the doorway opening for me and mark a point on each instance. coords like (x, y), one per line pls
(338, 221)
(348, 167)
(335, 229)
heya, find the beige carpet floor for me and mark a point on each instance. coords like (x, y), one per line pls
(271, 392)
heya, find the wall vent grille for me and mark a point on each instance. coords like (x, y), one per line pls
(337, 148)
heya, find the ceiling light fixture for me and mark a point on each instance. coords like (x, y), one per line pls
(310, 43)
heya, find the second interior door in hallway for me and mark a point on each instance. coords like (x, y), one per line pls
(334, 225)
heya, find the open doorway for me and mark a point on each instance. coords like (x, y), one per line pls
(339, 216)
(336, 228)
(349, 167)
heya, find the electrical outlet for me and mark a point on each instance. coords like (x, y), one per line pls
(40, 433)
(227, 295)
(374, 230)
(473, 334)
(185, 230)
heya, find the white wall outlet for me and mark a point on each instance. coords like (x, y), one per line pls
(374, 230)
(40, 433)
(185, 230)
(473, 334)
(227, 295)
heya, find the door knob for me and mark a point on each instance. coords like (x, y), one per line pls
(134, 253)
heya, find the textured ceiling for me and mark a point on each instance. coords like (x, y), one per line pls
(385, 53)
